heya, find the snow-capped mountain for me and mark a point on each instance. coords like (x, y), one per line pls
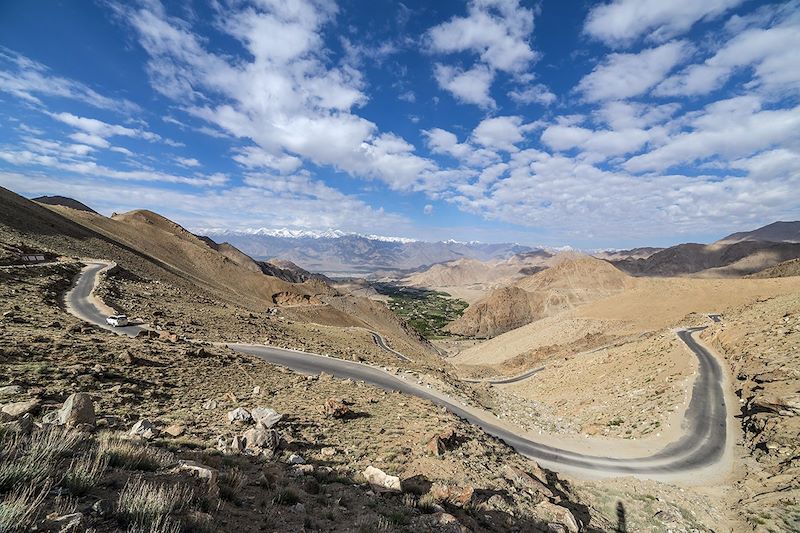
(337, 252)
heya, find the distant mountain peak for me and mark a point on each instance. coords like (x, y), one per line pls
(286, 233)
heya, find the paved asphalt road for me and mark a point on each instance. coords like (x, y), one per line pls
(702, 444)
(506, 381)
(380, 341)
(79, 302)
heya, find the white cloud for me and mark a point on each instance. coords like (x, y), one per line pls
(623, 76)
(99, 129)
(445, 142)
(470, 86)
(189, 162)
(89, 138)
(771, 53)
(497, 30)
(428, 209)
(732, 128)
(620, 22)
(536, 94)
(285, 95)
(74, 158)
(294, 202)
(28, 80)
(502, 133)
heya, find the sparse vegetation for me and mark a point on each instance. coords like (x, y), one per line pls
(133, 455)
(148, 506)
(231, 483)
(18, 508)
(83, 473)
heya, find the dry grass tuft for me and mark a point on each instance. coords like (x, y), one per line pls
(146, 506)
(19, 508)
(132, 455)
(231, 484)
(31, 460)
(84, 473)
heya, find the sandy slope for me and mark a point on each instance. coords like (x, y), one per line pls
(570, 281)
(649, 304)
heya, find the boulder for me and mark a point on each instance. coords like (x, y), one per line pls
(17, 409)
(454, 494)
(23, 425)
(209, 404)
(524, 481)
(261, 439)
(295, 459)
(381, 481)
(266, 416)
(785, 405)
(557, 516)
(175, 430)
(144, 429)
(201, 471)
(336, 408)
(10, 390)
(240, 414)
(78, 409)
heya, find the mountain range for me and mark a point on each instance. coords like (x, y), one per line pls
(338, 253)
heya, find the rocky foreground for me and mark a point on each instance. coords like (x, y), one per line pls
(106, 433)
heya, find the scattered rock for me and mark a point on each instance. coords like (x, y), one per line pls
(559, 516)
(17, 409)
(669, 515)
(453, 494)
(201, 471)
(295, 459)
(144, 429)
(441, 442)
(328, 452)
(10, 390)
(524, 481)
(256, 390)
(261, 440)
(209, 404)
(381, 481)
(336, 408)
(77, 410)
(240, 414)
(266, 416)
(128, 358)
(175, 430)
(303, 469)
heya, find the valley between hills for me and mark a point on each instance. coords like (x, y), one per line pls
(222, 439)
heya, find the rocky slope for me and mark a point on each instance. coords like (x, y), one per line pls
(221, 442)
(762, 345)
(775, 232)
(736, 255)
(466, 272)
(575, 279)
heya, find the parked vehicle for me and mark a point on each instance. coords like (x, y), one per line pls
(117, 320)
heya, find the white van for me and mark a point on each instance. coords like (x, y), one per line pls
(117, 320)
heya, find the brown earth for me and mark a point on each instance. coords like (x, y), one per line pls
(573, 280)
(187, 389)
(761, 343)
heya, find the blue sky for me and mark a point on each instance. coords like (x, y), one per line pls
(606, 124)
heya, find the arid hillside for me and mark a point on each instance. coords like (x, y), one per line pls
(155, 255)
(572, 280)
(736, 255)
(468, 272)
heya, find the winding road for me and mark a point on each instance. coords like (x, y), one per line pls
(702, 444)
